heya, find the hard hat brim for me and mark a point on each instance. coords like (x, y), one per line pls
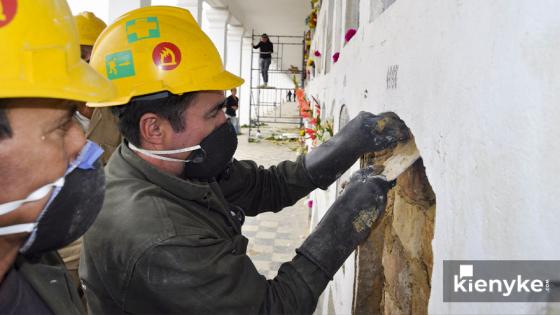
(221, 82)
(81, 83)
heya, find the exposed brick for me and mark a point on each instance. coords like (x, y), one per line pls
(409, 223)
(398, 252)
(414, 186)
(369, 269)
(390, 307)
(397, 272)
(427, 237)
(420, 287)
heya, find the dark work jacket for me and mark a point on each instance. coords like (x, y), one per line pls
(231, 101)
(265, 47)
(50, 281)
(166, 245)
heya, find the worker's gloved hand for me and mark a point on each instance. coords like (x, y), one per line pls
(365, 133)
(347, 222)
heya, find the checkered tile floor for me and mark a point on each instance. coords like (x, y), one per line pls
(273, 237)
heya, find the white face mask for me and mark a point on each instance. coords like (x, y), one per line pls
(88, 155)
(34, 196)
(156, 154)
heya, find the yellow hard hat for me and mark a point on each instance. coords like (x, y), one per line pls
(89, 27)
(155, 49)
(41, 54)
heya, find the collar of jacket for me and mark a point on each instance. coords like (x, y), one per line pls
(185, 189)
(49, 278)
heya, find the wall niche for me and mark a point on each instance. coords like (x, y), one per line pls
(394, 265)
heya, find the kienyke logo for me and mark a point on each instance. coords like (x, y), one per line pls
(466, 282)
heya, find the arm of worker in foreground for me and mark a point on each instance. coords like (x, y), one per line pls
(205, 275)
(257, 190)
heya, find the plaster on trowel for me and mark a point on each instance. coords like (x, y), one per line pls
(404, 155)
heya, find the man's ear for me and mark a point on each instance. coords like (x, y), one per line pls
(152, 129)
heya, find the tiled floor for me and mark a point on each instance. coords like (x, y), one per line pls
(273, 237)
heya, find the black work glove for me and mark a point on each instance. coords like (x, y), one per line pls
(365, 133)
(348, 221)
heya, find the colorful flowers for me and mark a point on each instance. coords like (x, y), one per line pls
(314, 131)
(335, 57)
(311, 133)
(317, 53)
(349, 34)
(310, 203)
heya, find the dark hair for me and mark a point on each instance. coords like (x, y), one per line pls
(5, 128)
(170, 107)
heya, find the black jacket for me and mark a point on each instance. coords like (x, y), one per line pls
(231, 101)
(165, 245)
(266, 49)
(50, 285)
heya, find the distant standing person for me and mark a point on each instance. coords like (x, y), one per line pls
(289, 96)
(232, 104)
(266, 49)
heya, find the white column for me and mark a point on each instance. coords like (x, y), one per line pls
(118, 8)
(217, 28)
(365, 12)
(234, 38)
(195, 6)
(245, 91)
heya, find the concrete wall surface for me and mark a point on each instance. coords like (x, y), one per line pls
(478, 83)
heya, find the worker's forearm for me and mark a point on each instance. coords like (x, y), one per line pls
(257, 189)
(347, 222)
(296, 288)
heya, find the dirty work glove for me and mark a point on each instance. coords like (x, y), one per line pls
(365, 133)
(347, 222)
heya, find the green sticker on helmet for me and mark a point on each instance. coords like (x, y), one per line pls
(142, 28)
(119, 65)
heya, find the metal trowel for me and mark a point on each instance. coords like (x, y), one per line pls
(404, 155)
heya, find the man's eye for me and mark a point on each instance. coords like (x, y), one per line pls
(65, 126)
(215, 113)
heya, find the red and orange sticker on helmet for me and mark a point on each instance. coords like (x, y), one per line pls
(166, 56)
(8, 10)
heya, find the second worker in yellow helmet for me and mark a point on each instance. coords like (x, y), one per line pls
(168, 239)
(102, 129)
(99, 124)
(89, 27)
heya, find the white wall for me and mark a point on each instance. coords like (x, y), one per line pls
(478, 84)
(100, 8)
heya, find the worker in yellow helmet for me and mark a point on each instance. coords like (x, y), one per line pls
(99, 124)
(52, 182)
(168, 239)
(103, 127)
(89, 28)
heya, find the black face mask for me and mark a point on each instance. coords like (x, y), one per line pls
(71, 212)
(215, 156)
